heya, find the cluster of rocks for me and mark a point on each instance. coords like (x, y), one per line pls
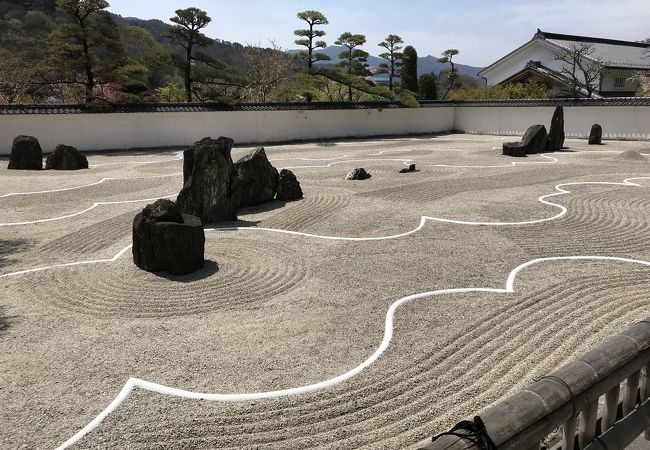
(215, 187)
(27, 154)
(169, 236)
(538, 140)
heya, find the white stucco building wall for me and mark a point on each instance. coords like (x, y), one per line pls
(516, 61)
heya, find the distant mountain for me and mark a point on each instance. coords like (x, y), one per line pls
(426, 64)
(42, 5)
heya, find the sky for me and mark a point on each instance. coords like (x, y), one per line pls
(482, 30)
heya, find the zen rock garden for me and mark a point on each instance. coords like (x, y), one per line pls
(168, 236)
(27, 154)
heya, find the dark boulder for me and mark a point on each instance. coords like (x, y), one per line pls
(164, 239)
(596, 135)
(288, 186)
(66, 158)
(211, 190)
(26, 154)
(409, 169)
(556, 134)
(514, 149)
(534, 141)
(358, 174)
(258, 179)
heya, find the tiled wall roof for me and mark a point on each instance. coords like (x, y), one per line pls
(207, 107)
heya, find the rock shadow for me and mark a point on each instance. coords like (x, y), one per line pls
(5, 321)
(10, 247)
(264, 207)
(209, 269)
(156, 151)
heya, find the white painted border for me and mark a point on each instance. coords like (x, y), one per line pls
(133, 383)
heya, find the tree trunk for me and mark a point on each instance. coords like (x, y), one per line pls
(350, 77)
(90, 77)
(310, 49)
(188, 74)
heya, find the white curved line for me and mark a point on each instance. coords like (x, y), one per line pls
(310, 159)
(12, 194)
(425, 219)
(178, 156)
(542, 199)
(72, 264)
(95, 205)
(328, 166)
(327, 238)
(132, 383)
(511, 164)
(103, 180)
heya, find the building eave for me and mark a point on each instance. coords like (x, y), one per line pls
(535, 41)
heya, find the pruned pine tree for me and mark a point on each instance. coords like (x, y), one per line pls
(187, 33)
(353, 59)
(87, 50)
(452, 75)
(309, 38)
(393, 56)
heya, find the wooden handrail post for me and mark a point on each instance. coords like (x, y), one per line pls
(587, 424)
(611, 408)
(631, 389)
(569, 434)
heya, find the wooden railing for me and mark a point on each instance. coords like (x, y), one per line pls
(617, 371)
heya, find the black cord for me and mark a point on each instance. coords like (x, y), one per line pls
(473, 431)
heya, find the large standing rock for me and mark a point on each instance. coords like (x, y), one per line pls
(26, 154)
(556, 134)
(164, 239)
(358, 174)
(288, 186)
(211, 190)
(258, 179)
(596, 135)
(534, 141)
(66, 158)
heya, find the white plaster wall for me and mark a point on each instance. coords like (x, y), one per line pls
(630, 83)
(618, 122)
(143, 130)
